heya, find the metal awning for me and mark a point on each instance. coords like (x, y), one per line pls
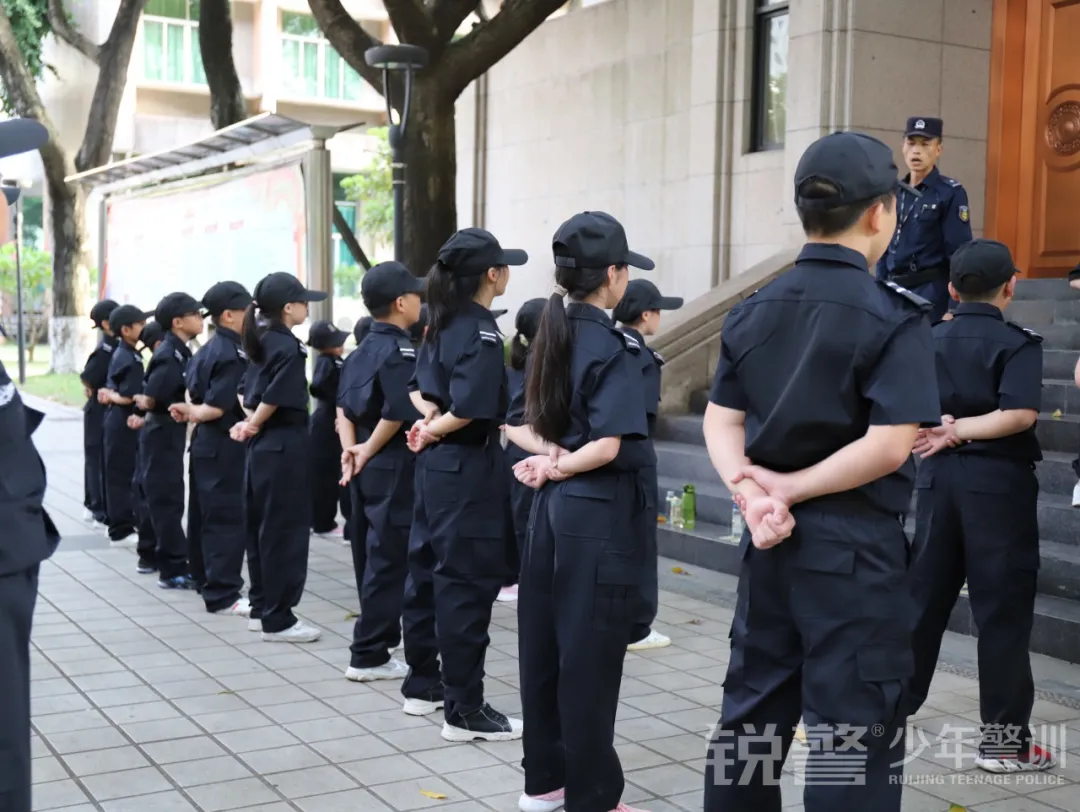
(247, 140)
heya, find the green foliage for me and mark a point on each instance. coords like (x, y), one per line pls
(37, 282)
(372, 191)
(30, 22)
(347, 280)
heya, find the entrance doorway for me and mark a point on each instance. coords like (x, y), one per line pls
(1033, 154)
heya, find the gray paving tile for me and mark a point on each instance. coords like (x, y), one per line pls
(231, 720)
(191, 749)
(231, 795)
(454, 759)
(113, 759)
(371, 772)
(160, 730)
(47, 769)
(80, 741)
(159, 802)
(283, 759)
(406, 795)
(486, 781)
(70, 722)
(206, 771)
(58, 703)
(201, 686)
(351, 800)
(124, 784)
(319, 730)
(311, 781)
(144, 712)
(262, 738)
(275, 695)
(339, 751)
(56, 794)
(667, 779)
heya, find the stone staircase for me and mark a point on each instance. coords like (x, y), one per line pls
(1050, 308)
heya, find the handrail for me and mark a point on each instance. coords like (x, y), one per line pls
(689, 339)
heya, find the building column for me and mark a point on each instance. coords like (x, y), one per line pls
(318, 201)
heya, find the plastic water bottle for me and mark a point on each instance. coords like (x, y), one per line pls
(677, 511)
(737, 524)
(669, 516)
(688, 506)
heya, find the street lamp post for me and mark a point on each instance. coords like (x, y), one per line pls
(405, 59)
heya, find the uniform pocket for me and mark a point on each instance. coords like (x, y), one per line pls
(587, 508)
(886, 669)
(825, 584)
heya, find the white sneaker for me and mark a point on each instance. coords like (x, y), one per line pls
(336, 534)
(242, 608)
(1076, 495)
(87, 516)
(508, 594)
(128, 543)
(653, 640)
(299, 632)
(254, 624)
(391, 669)
(421, 707)
(96, 525)
(548, 802)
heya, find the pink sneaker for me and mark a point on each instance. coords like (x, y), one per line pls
(549, 802)
(508, 594)
(624, 808)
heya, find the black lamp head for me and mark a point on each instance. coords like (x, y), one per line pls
(397, 57)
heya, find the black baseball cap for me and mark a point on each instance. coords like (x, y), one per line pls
(324, 335)
(100, 312)
(127, 315)
(151, 334)
(276, 290)
(642, 295)
(980, 266)
(595, 239)
(19, 135)
(471, 251)
(527, 320)
(362, 328)
(925, 126)
(858, 165)
(225, 296)
(386, 282)
(175, 305)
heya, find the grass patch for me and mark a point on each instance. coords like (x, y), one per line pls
(66, 389)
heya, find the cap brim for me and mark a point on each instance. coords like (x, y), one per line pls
(514, 256)
(670, 303)
(339, 338)
(314, 295)
(11, 194)
(21, 135)
(639, 261)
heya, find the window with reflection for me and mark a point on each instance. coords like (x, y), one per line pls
(769, 120)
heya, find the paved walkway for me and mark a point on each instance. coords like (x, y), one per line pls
(143, 702)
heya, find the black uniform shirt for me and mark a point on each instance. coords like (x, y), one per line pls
(281, 379)
(28, 536)
(125, 374)
(650, 371)
(985, 363)
(605, 375)
(96, 371)
(165, 373)
(821, 354)
(375, 381)
(213, 379)
(463, 372)
(515, 388)
(325, 380)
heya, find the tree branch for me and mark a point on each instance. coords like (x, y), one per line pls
(412, 23)
(350, 40)
(450, 14)
(349, 238)
(487, 43)
(113, 64)
(227, 105)
(64, 30)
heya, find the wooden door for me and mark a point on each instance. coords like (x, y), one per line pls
(1033, 153)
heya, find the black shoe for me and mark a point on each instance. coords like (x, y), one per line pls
(145, 567)
(176, 582)
(427, 703)
(485, 723)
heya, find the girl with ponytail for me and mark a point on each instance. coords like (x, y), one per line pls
(584, 560)
(277, 500)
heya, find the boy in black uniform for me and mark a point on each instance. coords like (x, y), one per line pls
(163, 475)
(328, 341)
(375, 413)
(120, 441)
(825, 376)
(151, 336)
(976, 513)
(93, 378)
(639, 314)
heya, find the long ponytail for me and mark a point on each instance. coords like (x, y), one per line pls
(519, 352)
(446, 296)
(250, 335)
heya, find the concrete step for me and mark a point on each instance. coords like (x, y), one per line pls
(1059, 364)
(712, 502)
(1038, 313)
(1055, 289)
(1059, 336)
(1056, 473)
(1060, 395)
(1056, 629)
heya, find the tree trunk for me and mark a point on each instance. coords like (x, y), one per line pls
(430, 173)
(227, 105)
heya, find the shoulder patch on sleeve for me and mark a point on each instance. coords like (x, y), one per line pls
(488, 337)
(965, 214)
(178, 355)
(406, 349)
(241, 354)
(952, 182)
(302, 348)
(107, 347)
(911, 298)
(632, 344)
(1031, 335)
(657, 357)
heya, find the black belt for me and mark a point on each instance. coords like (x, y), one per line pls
(916, 278)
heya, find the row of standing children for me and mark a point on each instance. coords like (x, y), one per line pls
(439, 512)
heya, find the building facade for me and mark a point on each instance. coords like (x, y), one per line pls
(686, 118)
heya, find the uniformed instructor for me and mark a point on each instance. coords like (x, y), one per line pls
(29, 536)
(928, 228)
